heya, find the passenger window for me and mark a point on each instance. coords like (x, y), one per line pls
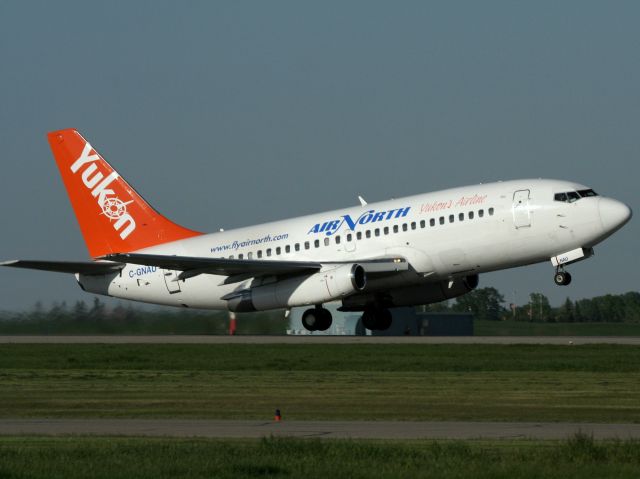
(413, 225)
(268, 251)
(306, 245)
(337, 239)
(490, 211)
(395, 228)
(461, 216)
(287, 249)
(480, 213)
(297, 247)
(259, 253)
(250, 255)
(316, 243)
(377, 231)
(359, 235)
(451, 218)
(231, 257)
(405, 226)
(367, 233)
(386, 230)
(442, 220)
(470, 215)
(326, 241)
(278, 251)
(432, 222)
(349, 237)
(423, 223)
(241, 256)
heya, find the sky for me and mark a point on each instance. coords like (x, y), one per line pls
(227, 114)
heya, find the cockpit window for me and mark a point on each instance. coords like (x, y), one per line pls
(571, 196)
(560, 197)
(586, 193)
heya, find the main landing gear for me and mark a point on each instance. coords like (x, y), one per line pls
(317, 319)
(376, 319)
(562, 278)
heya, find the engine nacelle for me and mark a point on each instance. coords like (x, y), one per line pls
(418, 294)
(326, 285)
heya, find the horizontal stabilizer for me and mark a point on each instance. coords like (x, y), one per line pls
(82, 267)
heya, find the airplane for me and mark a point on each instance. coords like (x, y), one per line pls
(372, 257)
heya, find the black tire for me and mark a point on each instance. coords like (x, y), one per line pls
(369, 319)
(567, 279)
(325, 319)
(383, 319)
(310, 319)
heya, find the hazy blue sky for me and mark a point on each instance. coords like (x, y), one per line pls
(225, 114)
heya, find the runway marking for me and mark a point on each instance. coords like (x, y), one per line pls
(314, 429)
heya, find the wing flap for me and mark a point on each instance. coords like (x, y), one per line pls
(219, 266)
(238, 270)
(82, 267)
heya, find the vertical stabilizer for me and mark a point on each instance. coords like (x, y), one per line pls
(113, 218)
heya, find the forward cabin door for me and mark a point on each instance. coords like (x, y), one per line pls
(521, 209)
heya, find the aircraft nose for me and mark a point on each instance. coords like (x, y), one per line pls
(613, 213)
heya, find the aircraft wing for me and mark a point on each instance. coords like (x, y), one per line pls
(236, 270)
(82, 267)
(241, 269)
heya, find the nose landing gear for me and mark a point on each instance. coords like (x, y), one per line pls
(562, 278)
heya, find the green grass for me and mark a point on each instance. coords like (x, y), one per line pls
(322, 381)
(81, 457)
(525, 328)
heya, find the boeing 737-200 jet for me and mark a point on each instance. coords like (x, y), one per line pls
(409, 251)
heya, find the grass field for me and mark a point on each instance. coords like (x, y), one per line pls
(71, 458)
(524, 328)
(598, 383)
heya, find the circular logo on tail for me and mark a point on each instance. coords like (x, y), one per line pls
(114, 208)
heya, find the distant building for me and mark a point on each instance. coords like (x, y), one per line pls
(406, 321)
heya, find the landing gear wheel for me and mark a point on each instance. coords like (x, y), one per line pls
(311, 319)
(325, 319)
(376, 319)
(369, 319)
(383, 319)
(562, 278)
(316, 319)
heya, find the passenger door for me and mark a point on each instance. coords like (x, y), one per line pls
(521, 209)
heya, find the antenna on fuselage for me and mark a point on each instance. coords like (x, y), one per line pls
(362, 201)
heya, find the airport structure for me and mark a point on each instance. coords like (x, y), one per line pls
(406, 322)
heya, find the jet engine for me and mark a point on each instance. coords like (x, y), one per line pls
(326, 285)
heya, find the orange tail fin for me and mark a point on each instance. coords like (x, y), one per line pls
(113, 217)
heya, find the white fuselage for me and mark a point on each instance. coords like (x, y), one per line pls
(443, 235)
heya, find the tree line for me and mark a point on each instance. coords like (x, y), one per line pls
(484, 303)
(489, 304)
(98, 318)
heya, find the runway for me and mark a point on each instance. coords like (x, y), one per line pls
(314, 429)
(320, 339)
